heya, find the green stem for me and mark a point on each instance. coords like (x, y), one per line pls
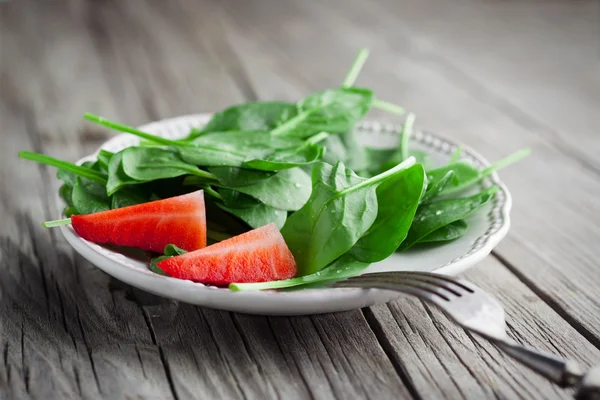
(456, 155)
(129, 129)
(389, 107)
(407, 129)
(194, 171)
(300, 280)
(64, 165)
(55, 223)
(291, 123)
(511, 159)
(409, 162)
(357, 65)
(317, 138)
(212, 192)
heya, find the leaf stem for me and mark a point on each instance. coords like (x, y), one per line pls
(212, 192)
(409, 162)
(129, 129)
(292, 123)
(194, 171)
(356, 67)
(511, 159)
(84, 172)
(55, 223)
(456, 155)
(389, 107)
(317, 138)
(407, 129)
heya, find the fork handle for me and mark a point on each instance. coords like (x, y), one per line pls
(560, 371)
(589, 388)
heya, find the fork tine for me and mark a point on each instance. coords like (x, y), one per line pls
(427, 275)
(431, 280)
(415, 287)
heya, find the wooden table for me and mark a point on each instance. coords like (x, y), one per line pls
(497, 76)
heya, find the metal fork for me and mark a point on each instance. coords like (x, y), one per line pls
(474, 309)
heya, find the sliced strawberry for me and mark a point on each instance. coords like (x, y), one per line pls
(257, 256)
(178, 220)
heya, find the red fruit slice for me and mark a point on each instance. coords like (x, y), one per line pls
(178, 220)
(257, 256)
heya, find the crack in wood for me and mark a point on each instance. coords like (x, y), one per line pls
(385, 344)
(221, 355)
(248, 350)
(88, 350)
(24, 366)
(553, 304)
(161, 353)
(300, 372)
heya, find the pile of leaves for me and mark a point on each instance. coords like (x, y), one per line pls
(339, 205)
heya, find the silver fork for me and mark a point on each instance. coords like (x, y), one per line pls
(474, 309)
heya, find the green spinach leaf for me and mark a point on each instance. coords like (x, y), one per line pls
(340, 210)
(170, 251)
(286, 190)
(436, 185)
(89, 197)
(152, 163)
(397, 201)
(433, 216)
(287, 158)
(117, 178)
(446, 233)
(236, 177)
(259, 116)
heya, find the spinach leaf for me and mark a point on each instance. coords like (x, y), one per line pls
(246, 142)
(343, 267)
(463, 172)
(129, 196)
(432, 216)
(334, 110)
(397, 201)
(287, 158)
(335, 150)
(153, 163)
(257, 215)
(89, 197)
(446, 233)
(211, 156)
(235, 177)
(66, 193)
(259, 116)
(170, 251)
(286, 190)
(117, 178)
(436, 185)
(340, 210)
(103, 160)
(250, 210)
(357, 158)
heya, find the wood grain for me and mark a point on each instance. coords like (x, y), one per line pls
(68, 330)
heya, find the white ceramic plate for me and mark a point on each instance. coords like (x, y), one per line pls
(486, 228)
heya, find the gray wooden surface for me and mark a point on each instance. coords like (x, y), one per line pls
(496, 75)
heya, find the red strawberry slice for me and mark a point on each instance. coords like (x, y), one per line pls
(257, 256)
(178, 220)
